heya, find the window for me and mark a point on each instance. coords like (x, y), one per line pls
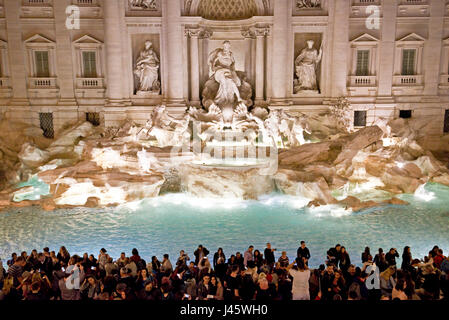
(408, 62)
(405, 114)
(89, 64)
(42, 69)
(93, 117)
(446, 121)
(359, 118)
(46, 123)
(362, 63)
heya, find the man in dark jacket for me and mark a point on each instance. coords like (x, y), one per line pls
(303, 252)
(200, 253)
(391, 256)
(269, 255)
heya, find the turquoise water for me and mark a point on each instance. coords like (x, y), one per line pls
(177, 221)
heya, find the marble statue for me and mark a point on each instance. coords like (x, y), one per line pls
(300, 4)
(168, 130)
(226, 87)
(147, 70)
(306, 65)
(144, 4)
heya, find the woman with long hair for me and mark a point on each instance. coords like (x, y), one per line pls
(217, 255)
(398, 291)
(407, 260)
(345, 261)
(63, 256)
(216, 288)
(258, 259)
(365, 254)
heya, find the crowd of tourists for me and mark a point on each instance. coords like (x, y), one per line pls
(253, 275)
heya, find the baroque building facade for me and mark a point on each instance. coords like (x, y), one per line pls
(62, 61)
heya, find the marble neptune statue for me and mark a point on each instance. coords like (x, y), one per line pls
(306, 68)
(147, 70)
(226, 87)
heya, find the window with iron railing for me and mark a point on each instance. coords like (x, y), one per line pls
(93, 117)
(46, 124)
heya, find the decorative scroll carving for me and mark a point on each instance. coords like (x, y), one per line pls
(143, 4)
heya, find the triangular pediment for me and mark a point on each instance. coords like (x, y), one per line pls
(37, 38)
(366, 37)
(412, 37)
(87, 39)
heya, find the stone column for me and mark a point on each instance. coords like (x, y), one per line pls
(281, 36)
(340, 48)
(387, 50)
(260, 34)
(63, 52)
(433, 48)
(171, 13)
(17, 54)
(113, 46)
(193, 35)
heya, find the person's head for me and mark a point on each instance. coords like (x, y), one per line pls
(235, 269)
(220, 250)
(284, 254)
(91, 279)
(46, 250)
(310, 43)
(440, 252)
(380, 251)
(337, 275)
(200, 247)
(91, 257)
(135, 252)
(343, 250)
(330, 268)
(351, 270)
(303, 244)
(103, 251)
(206, 279)
(256, 253)
(181, 253)
(406, 250)
(367, 250)
(238, 255)
(149, 286)
(148, 44)
(435, 249)
(14, 256)
(122, 256)
(338, 247)
(300, 264)
(227, 45)
(400, 284)
(250, 248)
(392, 250)
(41, 257)
(24, 254)
(166, 256)
(192, 265)
(213, 281)
(268, 245)
(153, 258)
(34, 253)
(20, 261)
(124, 272)
(63, 251)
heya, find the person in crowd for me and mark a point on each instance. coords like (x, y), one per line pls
(63, 256)
(182, 259)
(283, 260)
(380, 261)
(200, 253)
(301, 277)
(269, 255)
(333, 255)
(365, 254)
(303, 252)
(248, 255)
(217, 255)
(345, 260)
(42, 276)
(391, 256)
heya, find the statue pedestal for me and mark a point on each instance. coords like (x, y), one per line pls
(147, 94)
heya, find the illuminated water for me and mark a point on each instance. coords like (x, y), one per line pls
(169, 223)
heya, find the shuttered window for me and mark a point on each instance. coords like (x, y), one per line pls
(42, 69)
(362, 63)
(89, 64)
(408, 62)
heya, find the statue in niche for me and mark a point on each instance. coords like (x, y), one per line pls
(226, 88)
(144, 4)
(301, 4)
(147, 70)
(306, 65)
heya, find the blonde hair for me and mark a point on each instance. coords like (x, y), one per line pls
(8, 284)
